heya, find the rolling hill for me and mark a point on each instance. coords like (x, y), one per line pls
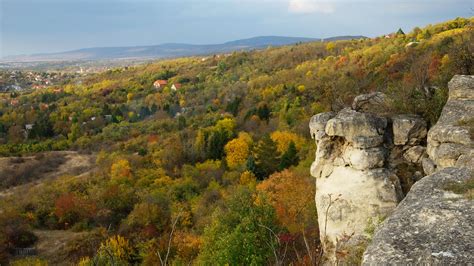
(167, 50)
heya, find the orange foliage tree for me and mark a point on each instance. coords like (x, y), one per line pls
(70, 209)
(291, 195)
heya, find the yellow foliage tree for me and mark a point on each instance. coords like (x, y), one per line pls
(121, 170)
(284, 138)
(237, 150)
(117, 247)
(85, 261)
(187, 245)
(130, 97)
(226, 124)
(69, 88)
(330, 47)
(247, 178)
(301, 88)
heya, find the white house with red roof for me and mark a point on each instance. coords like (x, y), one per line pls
(176, 86)
(160, 83)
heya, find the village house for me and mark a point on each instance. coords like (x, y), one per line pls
(14, 102)
(160, 83)
(43, 106)
(395, 34)
(176, 86)
(14, 87)
(37, 87)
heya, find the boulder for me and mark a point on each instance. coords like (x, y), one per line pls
(408, 129)
(415, 154)
(374, 102)
(443, 133)
(349, 124)
(433, 225)
(466, 160)
(317, 124)
(461, 87)
(428, 166)
(446, 154)
(450, 142)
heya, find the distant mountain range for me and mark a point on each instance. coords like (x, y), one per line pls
(167, 50)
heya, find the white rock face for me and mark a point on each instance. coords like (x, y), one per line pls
(450, 141)
(352, 183)
(362, 159)
(318, 123)
(355, 196)
(355, 168)
(356, 161)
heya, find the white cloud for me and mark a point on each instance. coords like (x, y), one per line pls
(310, 6)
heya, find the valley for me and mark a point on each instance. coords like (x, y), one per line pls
(209, 160)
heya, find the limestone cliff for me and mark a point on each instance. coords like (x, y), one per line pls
(366, 163)
(450, 140)
(356, 169)
(434, 223)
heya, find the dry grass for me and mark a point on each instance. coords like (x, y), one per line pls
(16, 172)
(464, 188)
(52, 245)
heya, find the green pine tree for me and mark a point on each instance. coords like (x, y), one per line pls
(267, 157)
(217, 141)
(250, 165)
(239, 233)
(290, 157)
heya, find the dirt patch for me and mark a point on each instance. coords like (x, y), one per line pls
(52, 245)
(16, 172)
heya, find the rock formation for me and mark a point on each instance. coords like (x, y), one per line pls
(366, 162)
(450, 140)
(433, 225)
(356, 169)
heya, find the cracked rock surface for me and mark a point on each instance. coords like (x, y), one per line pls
(431, 226)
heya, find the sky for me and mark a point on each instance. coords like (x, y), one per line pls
(42, 26)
